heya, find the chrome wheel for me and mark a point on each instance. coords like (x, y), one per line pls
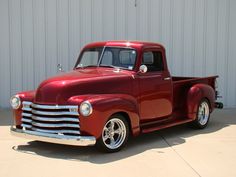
(114, 133)
(203, 113)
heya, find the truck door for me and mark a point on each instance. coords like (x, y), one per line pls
(155, 87)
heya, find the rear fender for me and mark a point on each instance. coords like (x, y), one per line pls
(195, 94)
(104, 106)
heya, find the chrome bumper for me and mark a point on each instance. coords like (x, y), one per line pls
(54, 138)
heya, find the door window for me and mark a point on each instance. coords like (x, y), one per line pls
(153, 61)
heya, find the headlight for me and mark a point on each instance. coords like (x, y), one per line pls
(15, 102)
(86, 108)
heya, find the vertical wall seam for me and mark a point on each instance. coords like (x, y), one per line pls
(182, 38)
(92, 4)
(33, 16)
(137, 20)
(194, 37)
(205, 19)
(57, 30)
(10, 56)
(45, 39)
(21, 38)
(115, 19)
(80, 23)
(216, 36)
(148, 11)
(68, 33)
(160, 20)
(171, 36)
(103, 18)
(227, 48)
(126, 21)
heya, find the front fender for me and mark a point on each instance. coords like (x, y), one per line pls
(104, 106)
(195, 94)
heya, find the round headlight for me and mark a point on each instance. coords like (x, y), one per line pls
(15, 102)
(86, 108)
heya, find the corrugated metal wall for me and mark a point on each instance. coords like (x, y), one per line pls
(35, 35)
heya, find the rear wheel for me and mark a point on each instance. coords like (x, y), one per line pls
(203, 115)
(114, 134)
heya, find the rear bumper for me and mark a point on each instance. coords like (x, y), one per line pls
(54, 138)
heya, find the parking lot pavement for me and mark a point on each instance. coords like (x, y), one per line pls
(177, 151)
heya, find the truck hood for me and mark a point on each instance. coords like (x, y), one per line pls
(58, 89)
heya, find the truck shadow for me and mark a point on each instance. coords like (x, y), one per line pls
(155, 141)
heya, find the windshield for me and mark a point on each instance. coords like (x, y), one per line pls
(111, 57)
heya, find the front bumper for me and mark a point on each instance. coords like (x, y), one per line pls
(54, 138)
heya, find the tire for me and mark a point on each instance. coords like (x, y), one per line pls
(114, 135)
(202, 115)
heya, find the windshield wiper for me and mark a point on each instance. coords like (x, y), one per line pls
(81, 66)
(108, 66)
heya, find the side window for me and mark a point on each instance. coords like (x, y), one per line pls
(153, 60)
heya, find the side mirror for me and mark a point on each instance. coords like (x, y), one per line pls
(59, 68)
(143, 69)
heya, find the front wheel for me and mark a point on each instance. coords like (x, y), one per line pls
(203, 115)
(114, 134)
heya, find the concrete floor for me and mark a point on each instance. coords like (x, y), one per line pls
(177, 151)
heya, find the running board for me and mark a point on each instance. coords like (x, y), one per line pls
(154, 127)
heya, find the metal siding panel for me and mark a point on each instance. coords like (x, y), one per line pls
(221, 53)
(108, 20)
(27, 45)
(97, 20)
(142, 21)
(131, 20)
(36, 35)
(5, 73)
(189, 27)
(167, 30)
(211, 37)
(178, 37)
(231, 87)
(39, 41)
(15, 45)
(85, 21)
(74, 32)
(120, 19)
(155, 20)
(62, 34)
(51, 37)
(199, 39)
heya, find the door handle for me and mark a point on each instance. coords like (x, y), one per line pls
(166, 78)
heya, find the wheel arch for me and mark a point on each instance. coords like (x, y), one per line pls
(106, 105)
(197, 93)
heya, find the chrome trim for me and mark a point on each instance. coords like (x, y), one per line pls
(54, 138)
(26, 120)
(26, 109)
(55, 113)
(53, 106)
(56, 131)
(26, 114)
(54, 125)
(27, 103)
(26, 125)
(51, 119)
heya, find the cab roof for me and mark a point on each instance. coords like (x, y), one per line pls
(124, 43)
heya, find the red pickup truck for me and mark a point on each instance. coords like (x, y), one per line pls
(116, 89)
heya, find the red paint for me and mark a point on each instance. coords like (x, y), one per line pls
(147, 99)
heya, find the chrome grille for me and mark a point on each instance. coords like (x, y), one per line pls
(54, 119)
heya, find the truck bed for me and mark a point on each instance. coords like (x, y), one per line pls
(181, 86)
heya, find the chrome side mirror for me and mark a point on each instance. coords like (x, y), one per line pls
(143, 69)
(59, 68)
